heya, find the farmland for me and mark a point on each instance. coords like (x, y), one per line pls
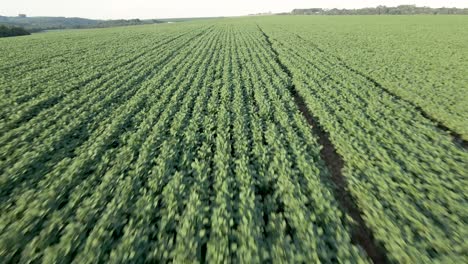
(253, 140)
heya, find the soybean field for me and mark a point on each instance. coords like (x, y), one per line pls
(276, 139)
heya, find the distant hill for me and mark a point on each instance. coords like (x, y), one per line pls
(33, 24)
(382, 10)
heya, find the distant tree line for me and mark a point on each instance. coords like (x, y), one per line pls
(35, 24)
(12, 31)
(383, 10)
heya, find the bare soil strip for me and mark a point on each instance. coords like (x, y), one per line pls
(361, 235)
(457, 139)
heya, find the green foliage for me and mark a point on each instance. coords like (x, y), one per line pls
(183, 143)
(421, 59)
(407, 175)
(12, 31)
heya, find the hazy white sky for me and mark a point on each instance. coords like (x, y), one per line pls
(113, 9)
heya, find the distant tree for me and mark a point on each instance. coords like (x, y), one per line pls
(309, 11)
(12, 31)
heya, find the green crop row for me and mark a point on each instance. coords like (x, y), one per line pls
(184, 148)
(188, 143)
(420, 59)
(406, 175)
